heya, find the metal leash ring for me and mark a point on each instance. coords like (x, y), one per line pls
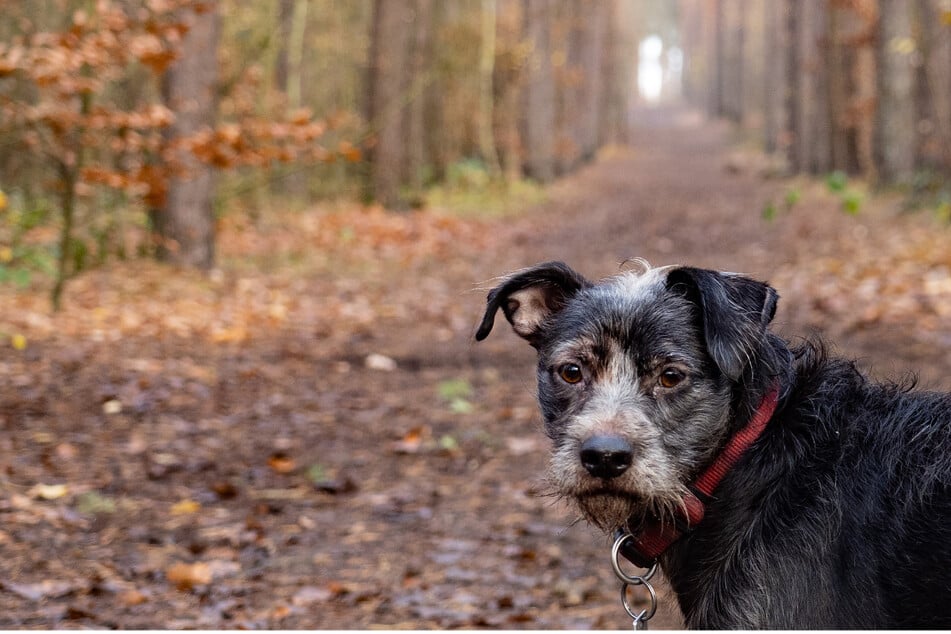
(634, 580)
(642, 615)
(640, 618)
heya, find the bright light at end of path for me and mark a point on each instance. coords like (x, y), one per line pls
(650, 73)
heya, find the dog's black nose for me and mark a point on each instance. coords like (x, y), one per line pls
(606, 456)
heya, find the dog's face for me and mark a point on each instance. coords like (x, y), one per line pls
(635, 376)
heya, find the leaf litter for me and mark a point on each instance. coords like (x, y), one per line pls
(233, 451)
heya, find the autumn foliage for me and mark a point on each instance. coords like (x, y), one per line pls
(82, 105)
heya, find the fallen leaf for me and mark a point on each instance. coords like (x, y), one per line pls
(412, 441)
(281, 462)
(18, 342)
(186, 576)
(224, 489)
(311, 594)
(48, 491)
(132, 597)
(185, 507)
(47, 589)
(379, 362)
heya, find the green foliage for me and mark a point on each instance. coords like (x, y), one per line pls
(316, 473)
(456, 392)
(448, 443)
(790, 199)
(21, 255)
(93, 503)
(837, 181)
(852, 201)
(469, 190)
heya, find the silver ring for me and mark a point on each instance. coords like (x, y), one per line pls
(643, 615)
(634, 580)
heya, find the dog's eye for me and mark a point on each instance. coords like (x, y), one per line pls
(671, 377)
(570, 373)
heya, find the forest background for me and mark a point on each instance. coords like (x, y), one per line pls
(244, 247)
(134, 128)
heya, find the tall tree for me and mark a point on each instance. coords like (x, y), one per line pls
(185, 223)
(538, 110)
(895, 115)
(934, 84)
(593, 41)
(774, 49)
(389, 39)
(418, 77)
(486, 93)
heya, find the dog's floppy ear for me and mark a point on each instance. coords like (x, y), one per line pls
(528, 297)
(734, 310)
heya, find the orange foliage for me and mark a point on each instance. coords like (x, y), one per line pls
(66, 105)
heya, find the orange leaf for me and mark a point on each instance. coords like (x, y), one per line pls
(281, 462)
(186, 576)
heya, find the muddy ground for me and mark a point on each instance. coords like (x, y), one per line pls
(315, 441)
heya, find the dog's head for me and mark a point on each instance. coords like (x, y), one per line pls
(636, 376)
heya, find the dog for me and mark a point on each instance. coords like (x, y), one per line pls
(775, 485)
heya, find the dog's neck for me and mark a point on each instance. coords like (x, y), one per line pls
(655, 536)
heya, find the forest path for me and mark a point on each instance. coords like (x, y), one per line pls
(370, 465)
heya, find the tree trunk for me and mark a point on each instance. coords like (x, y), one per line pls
(720, 96)
(385, 99)
(774, 46)
(895, 115)
(539, 98)
(486, 93)
(415, 83)
(295, 53)
(185, 226)
(791, 94)
(739, 66)
(507, 81)
(934, 85)
(592, 51)
(820, 120)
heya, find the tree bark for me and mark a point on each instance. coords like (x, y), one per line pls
(791, 93)
(934, 88)
(185, 225)
(774, 47)
(895, 116)
(820, 120)
(487, 149)
(385, 99)
(415, 83)
(592, 51)
(538, 113)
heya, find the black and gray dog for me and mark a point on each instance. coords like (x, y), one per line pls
(776, 486)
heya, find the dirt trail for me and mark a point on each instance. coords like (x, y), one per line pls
(429, 509)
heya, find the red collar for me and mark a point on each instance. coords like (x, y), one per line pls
(644, 549)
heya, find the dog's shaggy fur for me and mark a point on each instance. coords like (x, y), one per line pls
(838, 515)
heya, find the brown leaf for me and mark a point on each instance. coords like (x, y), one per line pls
(281, 462)
(186, 576)
(46, 589)
(132, 597)
(412, 441)
(311, 594)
